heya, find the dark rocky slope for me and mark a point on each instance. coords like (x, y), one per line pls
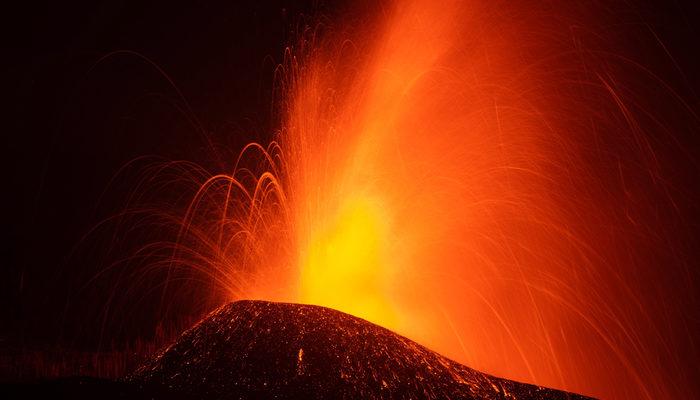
(256, 349)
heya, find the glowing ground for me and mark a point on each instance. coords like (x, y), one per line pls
(257, 349)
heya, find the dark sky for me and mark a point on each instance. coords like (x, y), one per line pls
(72, 120)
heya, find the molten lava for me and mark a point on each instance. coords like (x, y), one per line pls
(490, 179)
(347, 266)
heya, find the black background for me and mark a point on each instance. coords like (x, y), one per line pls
(84, 95)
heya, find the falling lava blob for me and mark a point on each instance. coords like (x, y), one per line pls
(252, 349)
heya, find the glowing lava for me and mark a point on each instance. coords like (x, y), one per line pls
(483, 177)
(347, 267)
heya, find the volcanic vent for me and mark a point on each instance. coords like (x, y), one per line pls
(254, 349)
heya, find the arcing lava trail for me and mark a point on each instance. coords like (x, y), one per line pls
(503, 182)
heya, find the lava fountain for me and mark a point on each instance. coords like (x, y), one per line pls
(495, 180)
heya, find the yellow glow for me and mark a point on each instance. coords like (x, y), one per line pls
(345, 266)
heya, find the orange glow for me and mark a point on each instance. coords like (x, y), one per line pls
(346, 267)
(482, 177)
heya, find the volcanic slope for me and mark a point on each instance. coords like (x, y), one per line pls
(257, 349)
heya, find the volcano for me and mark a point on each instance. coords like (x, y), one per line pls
(259, 349)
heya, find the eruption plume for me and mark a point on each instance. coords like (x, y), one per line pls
(499, 181)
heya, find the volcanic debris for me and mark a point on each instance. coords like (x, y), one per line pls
(259, 349)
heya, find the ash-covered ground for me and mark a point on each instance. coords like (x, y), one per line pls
(257, 349)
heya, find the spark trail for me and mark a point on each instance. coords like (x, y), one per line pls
(495, 180)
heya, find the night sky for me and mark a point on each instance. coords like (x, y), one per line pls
(73, 120)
